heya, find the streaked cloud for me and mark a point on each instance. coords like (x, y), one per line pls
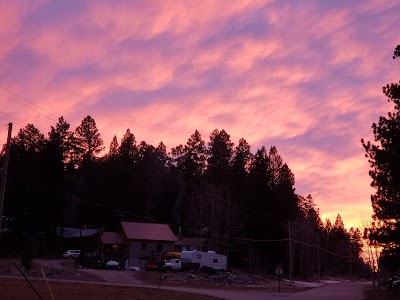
(303, 76)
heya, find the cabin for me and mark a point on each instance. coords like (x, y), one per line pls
(143, 241)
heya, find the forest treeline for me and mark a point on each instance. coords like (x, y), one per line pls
(242, 202)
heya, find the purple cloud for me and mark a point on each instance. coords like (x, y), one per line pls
(305, 77)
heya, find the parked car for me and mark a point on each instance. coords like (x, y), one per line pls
(72, 253)
(393, 283)
(112, 264)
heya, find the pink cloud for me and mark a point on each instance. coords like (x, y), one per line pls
(304, 77)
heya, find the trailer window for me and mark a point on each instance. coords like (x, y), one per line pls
(198, 256)
(215, 260)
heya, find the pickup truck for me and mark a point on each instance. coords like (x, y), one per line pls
(176, 264)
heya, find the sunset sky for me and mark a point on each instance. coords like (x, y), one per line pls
(305, 76)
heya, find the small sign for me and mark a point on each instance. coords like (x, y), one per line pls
(279, 271)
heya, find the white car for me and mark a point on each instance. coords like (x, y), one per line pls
(112, 263)
(72, 253)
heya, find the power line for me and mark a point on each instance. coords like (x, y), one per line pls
(50, 118)
(124, 212)
(5, 118)
(318, 247)
(150, 219)
(15, 94)
(19, 122)
(172, 225)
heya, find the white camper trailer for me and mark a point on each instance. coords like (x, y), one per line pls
(200, 259)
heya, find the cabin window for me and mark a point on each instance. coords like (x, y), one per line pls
(159, 247)
(144, 247)
(215, 260)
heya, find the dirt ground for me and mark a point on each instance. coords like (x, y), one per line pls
(231, 281)
(19, 289)
(235, 280)
(7, 268)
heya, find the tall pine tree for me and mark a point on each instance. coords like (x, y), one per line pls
(384, 159)
(88, 140)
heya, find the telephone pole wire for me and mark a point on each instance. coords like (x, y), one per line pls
(4, 173)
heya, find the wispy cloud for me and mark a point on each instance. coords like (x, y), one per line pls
(305, 77)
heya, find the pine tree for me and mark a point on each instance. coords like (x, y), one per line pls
(60, 147)
(339, 225)
(128, 150)
(29, 139)
(88, 140)
(384, 159)
(190, 159)
(113, 147)
(241, 159)
(220, 150)
(240, 166)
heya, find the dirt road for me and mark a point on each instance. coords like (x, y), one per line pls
(341, 291)
(127, 277)
(111, 276)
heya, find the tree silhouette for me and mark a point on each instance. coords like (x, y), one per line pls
(240, 166)
(113, 152)
(29, 139)
(384, 159)
(222, 193)
(241, 159)
(220, 150)
(88, 140)
(190, 159)
(128, 150)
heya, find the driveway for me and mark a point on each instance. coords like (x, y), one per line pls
(112, 276)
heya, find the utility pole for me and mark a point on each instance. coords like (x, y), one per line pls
(290, 254)
(319, 263)
(4, 173)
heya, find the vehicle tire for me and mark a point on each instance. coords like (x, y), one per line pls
(168, 269)
(70, 257)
